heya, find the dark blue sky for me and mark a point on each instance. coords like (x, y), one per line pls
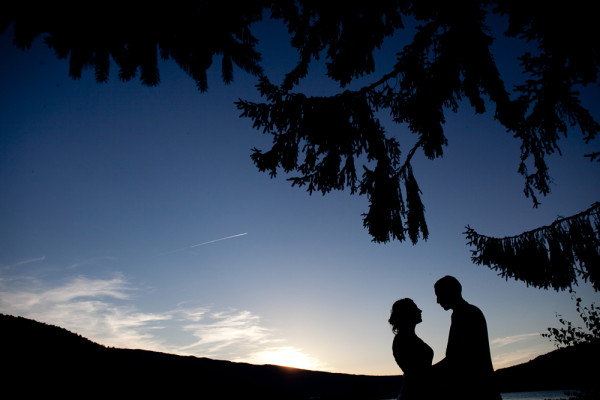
(106, 189)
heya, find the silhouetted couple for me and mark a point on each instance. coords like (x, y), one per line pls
(466, 373)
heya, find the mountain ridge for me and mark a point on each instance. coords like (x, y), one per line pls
(46, 359)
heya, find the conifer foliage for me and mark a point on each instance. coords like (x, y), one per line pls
(551, 256)
(136, 34)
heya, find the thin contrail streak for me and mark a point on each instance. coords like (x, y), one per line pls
(218, 240)
(202, 244)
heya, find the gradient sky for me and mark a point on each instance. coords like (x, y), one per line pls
(135, 217)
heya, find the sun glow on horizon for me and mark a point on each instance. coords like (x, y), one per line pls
(287, 357)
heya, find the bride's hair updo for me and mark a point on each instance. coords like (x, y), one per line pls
(402, 313)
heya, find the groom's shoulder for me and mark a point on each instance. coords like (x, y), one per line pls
(473, 310)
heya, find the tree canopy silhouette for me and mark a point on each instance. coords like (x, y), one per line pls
(324, 140)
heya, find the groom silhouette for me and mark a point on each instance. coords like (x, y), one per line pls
(467, 369)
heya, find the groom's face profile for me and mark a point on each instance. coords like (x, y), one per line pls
(443, 299)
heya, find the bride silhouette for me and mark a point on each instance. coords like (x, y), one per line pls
(412, 354)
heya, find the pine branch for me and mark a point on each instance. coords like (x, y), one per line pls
(548, 256)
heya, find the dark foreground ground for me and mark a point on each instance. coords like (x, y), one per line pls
(41, 360)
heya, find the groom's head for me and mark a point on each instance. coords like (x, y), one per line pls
(448, 292)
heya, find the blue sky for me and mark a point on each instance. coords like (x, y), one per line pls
(106, 191)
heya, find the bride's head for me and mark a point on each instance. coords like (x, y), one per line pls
(405, 314)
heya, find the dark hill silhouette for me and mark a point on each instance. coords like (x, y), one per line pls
(46, 360)
(568, 368)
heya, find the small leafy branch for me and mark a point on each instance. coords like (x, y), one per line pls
(570, 335)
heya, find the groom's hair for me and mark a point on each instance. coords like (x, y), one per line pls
(449, 284)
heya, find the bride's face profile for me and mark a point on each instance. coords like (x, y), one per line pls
(405, 314)
(417, 314)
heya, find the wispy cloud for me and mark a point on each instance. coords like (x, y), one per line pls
(220, 330)
(508, 340)
(89, 261)
(516, 349)
(85, 306)
(39, 300)
(515, 357)
(27, 261)
(104, 311)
